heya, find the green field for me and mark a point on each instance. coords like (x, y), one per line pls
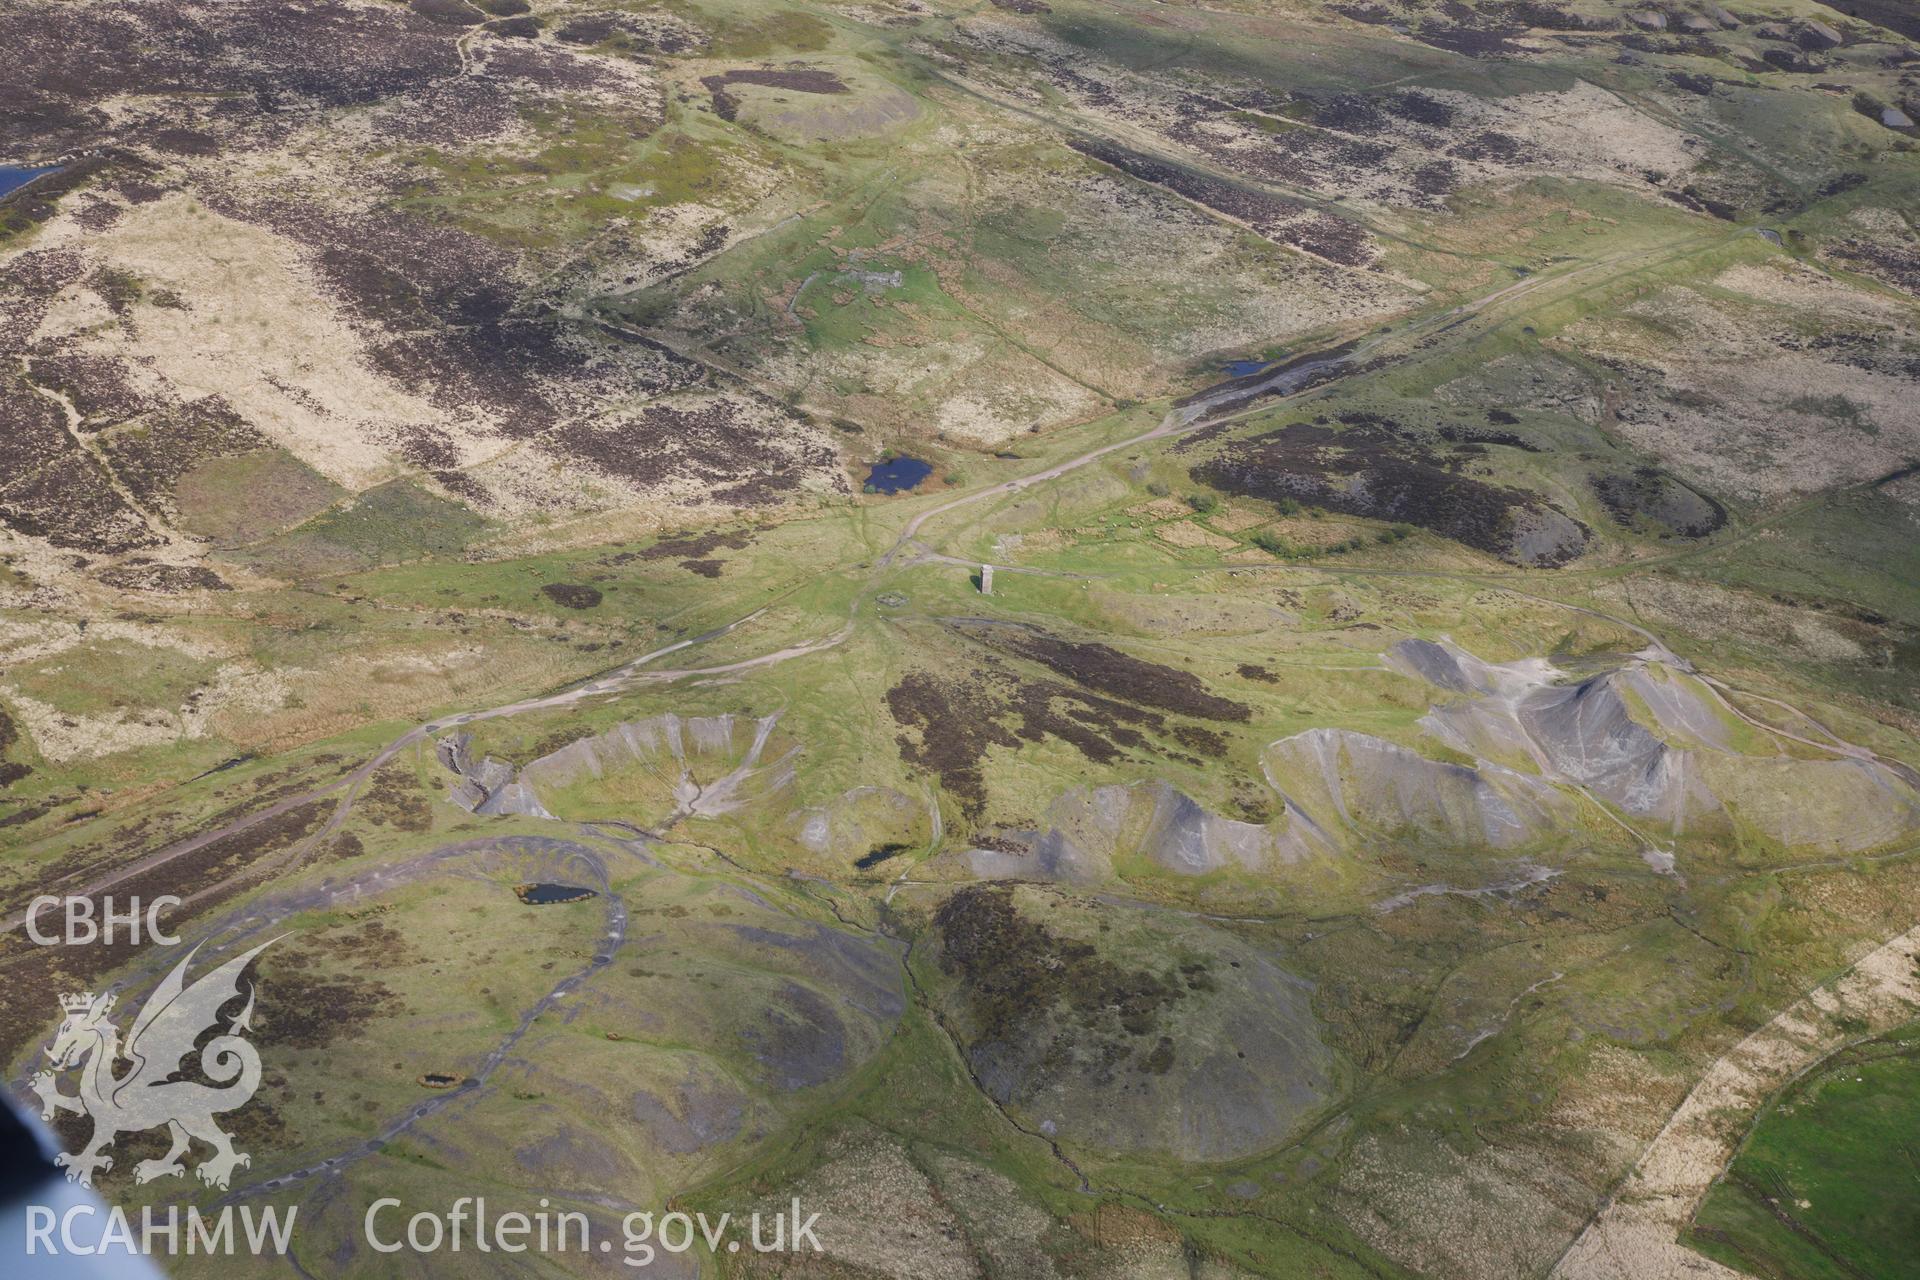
(1828, 1182)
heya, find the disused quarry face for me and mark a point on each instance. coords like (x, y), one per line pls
(1367, 468)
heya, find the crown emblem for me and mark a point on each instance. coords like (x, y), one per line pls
(145, 1095)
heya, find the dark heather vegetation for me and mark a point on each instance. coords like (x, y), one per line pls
(1021, 981)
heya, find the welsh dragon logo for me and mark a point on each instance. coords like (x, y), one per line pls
(167, 1029)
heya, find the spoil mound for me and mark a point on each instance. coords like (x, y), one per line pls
(1126, 1030)
(1088, 830)
(865, 826)
(1656, 743)
(654, 771)
(1352, 785)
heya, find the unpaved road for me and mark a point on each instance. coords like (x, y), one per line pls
(1283, 381)
(1634, 1237)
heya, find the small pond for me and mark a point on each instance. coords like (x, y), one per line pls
(897, 475)
(1241, 368)
(541, 895)
(14, 176)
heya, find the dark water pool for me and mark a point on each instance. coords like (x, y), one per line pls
(1241, 368)
(897, 475)
(540, 895)
(14, 176)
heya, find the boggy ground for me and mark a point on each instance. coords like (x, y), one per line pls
(406, 404)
